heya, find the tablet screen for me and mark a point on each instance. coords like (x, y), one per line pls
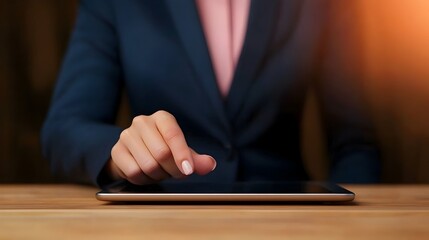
(237, 191)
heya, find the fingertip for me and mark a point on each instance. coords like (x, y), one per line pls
(214, 163)
(204, 164)
(187, 168)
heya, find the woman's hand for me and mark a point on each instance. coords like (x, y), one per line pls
(154, 148)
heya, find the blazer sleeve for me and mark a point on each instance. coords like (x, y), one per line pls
(79, 130)
(352, 144)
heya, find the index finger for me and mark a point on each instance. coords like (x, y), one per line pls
(175, 139)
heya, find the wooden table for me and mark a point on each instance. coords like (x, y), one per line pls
(378, 212)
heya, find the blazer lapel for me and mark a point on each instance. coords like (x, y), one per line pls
(261, 24)
(185, 16)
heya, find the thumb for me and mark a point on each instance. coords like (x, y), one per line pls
(203, 164)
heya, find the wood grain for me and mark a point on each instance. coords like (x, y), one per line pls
(72, 212)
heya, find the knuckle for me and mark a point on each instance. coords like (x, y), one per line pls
(171, 133)
(114, 150)
(141, 119)
(150, 168)
(132, 171)
(163, 115)
(124, 134)
(117, 150)
(162, 154)
(160, 113)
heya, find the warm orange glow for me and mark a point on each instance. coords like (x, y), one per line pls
(394, 35)
(396, 39)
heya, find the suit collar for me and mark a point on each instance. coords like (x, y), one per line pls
(259, 30)
(261, 25)
(185, 17)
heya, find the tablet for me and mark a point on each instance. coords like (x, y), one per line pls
(227, 192)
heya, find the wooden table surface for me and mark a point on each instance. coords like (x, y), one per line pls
(72, 212)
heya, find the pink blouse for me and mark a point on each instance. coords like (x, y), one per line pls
(224, 23)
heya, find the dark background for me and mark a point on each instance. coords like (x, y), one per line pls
(393, 34)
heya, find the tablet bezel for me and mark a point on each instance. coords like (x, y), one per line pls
(336, 193)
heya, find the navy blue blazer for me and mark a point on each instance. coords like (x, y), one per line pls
(155, 51)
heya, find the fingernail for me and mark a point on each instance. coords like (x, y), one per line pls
(215, 164)
(187, 168)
